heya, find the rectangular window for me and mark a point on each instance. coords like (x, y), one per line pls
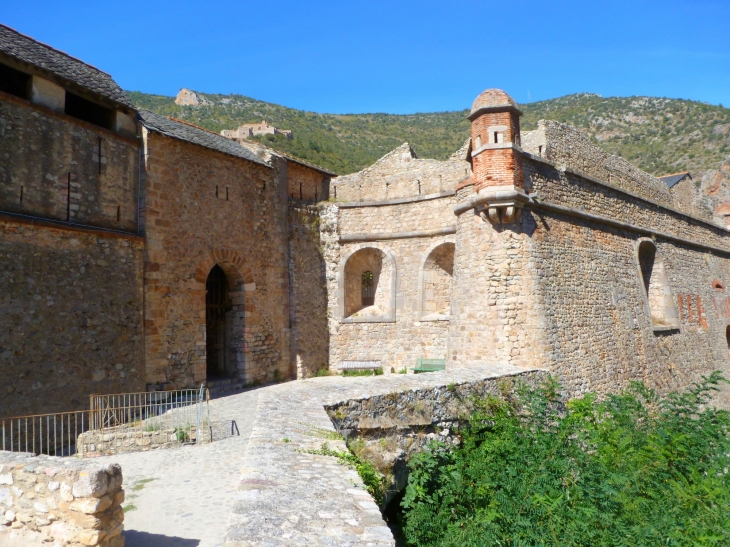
(83, 109)
(14, 82)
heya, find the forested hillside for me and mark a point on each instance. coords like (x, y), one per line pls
(659, 135)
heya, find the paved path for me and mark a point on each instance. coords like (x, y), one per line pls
(183, 496)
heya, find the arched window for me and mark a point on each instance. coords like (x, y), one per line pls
(436, 283)
(656, 287)
(368, 294)
(368, 285)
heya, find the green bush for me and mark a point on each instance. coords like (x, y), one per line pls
(632, 469)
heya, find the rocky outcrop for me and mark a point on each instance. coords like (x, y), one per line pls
(187, 97)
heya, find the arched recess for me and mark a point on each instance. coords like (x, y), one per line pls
(435, 282)
(657, 292)
(228, 267)
(355, 269)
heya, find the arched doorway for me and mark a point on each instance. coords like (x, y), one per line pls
(217, 308)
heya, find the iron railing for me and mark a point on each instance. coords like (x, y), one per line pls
(185, 413)
(50, 434)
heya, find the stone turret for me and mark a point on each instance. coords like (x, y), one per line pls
(496, 157)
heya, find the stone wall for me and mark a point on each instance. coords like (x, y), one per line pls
(71, 316)
(393, 330)
(44, 154)
(387, 429)
(204, 208)
(306, 184)
(495, 318)
(308, 292)
(568, 147)
(436, 212)
(401, 173)
(65, 502)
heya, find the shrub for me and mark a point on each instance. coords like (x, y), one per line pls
(631, 469)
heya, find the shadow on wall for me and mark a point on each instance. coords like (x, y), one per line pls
(133, 538)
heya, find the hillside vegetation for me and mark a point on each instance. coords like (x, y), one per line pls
(659, 135)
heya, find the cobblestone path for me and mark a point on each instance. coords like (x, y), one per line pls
(182, 497)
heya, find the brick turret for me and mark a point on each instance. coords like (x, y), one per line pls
(495, 133)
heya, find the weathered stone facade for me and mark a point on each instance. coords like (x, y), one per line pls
(564, 257)
(140, 252)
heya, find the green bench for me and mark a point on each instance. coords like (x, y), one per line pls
(429, 365)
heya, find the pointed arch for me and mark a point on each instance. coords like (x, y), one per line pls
(240, 313)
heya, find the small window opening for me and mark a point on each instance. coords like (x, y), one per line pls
(727, 339)
(368, 294)
(717, 285)
(656, 287)
(99, 154)
(226, 193)
(119, 213)
(496, 137)
(21, 194)
(83, 109)
(14, 82)
(315, 194)
(539, 150)
(335, 192)
(300, 191)
(68, 198)
(216, 190)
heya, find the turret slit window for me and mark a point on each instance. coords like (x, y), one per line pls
(368, 293)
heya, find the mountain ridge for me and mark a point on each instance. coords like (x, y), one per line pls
(659, 135)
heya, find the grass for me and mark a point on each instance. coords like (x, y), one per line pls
(373, 372)
(130, 507)
(141, 484)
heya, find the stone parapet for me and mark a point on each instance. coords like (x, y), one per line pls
(64, 502)
(289, 495)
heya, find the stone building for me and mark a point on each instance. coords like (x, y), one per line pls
(530, 249)
(141, 252)
(252, 129)
(138, 252)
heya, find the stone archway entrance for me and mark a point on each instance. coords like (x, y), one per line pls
(217, 324)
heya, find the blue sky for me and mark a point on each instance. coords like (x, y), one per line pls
(396, 56)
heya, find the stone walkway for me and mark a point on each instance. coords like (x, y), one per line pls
(289, 497)
(263, 489)
(182, 497)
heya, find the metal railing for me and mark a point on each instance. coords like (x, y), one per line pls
(50, 434)
(183, 414)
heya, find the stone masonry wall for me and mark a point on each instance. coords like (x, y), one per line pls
(64, 502)
(598, 329)
(418, 216)
(495, 319)
(204, 208)
(306, 184)
(567, 147)
(43, 154)
(71, 314)
(396, 343)
(308, 292)
(400, 174)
